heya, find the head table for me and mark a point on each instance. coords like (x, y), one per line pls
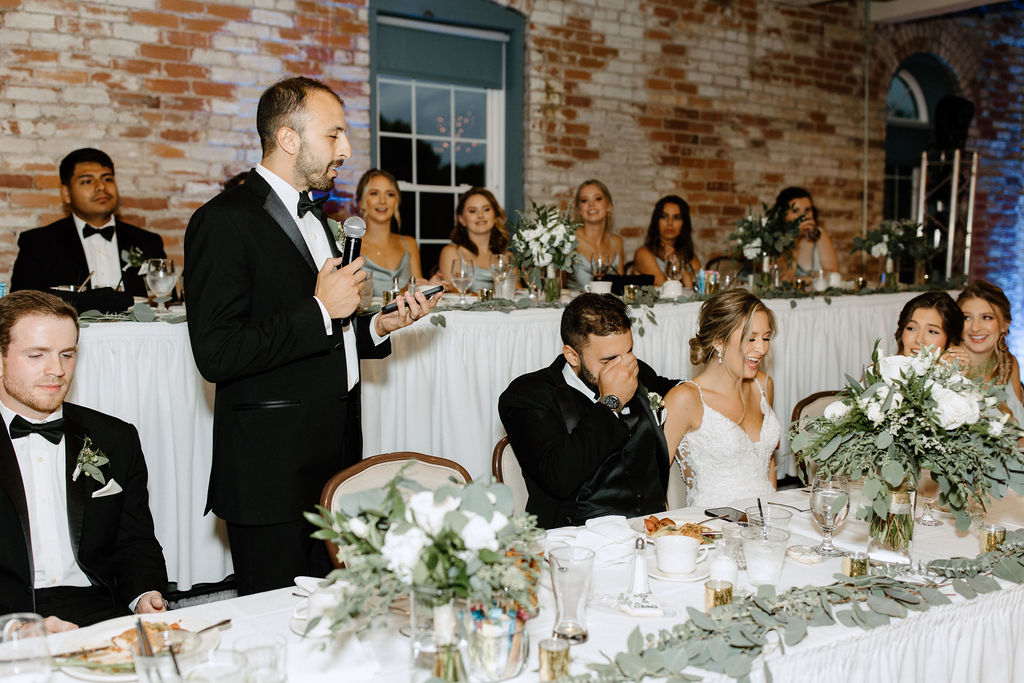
(964, 641)
(437, 393)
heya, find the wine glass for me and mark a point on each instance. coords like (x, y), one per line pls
(673, 269)
(24, 655)
(462, 276)
(927, 518)
(501, 269)
(830, 503)
(599, 265)
(161, 278)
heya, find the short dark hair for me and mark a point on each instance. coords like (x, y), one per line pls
(684, 240)
(283, 104)
(17, 305)
(951, 315)
(82, 156)
(587, 314)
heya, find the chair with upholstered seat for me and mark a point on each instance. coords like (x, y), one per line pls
(376, 471)
(808, 408)
(505, 469)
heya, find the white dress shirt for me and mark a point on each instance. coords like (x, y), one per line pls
(315, 236)
(102, 257)
(44, 477)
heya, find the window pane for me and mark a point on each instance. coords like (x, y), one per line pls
(433, 162)
(396, 157)
(470, 114)
(430, 254)
(407, 209)
(900, 101)
(470, 163)
(437, 215)
(395, 108)
(433, 110)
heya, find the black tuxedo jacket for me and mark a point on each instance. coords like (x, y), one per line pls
(578, 459)
(282, 401)
(112, 536)
(53, 255)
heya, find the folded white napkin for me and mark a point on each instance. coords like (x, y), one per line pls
(609, 537)
(110, 489)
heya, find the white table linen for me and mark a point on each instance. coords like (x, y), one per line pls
(963, 642)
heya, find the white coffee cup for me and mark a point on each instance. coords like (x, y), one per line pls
(671, 289)
(835, 279)
(678, 554)
(599, 287)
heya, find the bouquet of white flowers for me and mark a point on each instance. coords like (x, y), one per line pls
(547, 240)
(768, 235)
(914, 412)
(896, 240)
(463, 540)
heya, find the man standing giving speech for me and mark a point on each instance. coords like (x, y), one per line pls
(268, 315)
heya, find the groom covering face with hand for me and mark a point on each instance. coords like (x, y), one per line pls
(78, 543)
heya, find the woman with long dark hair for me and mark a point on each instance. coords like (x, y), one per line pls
(669, 233)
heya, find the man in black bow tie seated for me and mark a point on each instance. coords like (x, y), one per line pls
(90, 240)
(78, 541)
(583, 429)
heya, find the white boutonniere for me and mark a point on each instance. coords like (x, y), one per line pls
(657, 406)
(134, 258)
(90, 460)
(338, 230)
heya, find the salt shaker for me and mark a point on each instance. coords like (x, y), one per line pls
(722, 565)
(640, 584)
(639, 602)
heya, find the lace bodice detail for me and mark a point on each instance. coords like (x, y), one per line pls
(722, 462)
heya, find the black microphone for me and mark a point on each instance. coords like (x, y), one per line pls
(355, 228)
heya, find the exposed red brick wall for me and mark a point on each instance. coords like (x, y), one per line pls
(721, 101)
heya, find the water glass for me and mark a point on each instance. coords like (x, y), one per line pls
(24, 655)
(599, 264)
(774, 516)
(498, 651)
(267, 654)
(570, 581)
(366, 294)
(220, 666)
(830, 503)
(765, 551)
(161, 278)
(161, 667)
(462, 276)
(673, 269)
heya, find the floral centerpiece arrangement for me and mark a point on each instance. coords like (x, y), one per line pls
(913, 413)
(439, 546)
(768, 236)
(543, 245)
(894, 241)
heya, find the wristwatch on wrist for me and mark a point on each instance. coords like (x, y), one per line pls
(611, 401)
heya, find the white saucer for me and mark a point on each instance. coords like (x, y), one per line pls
(298, 627)
(699, 573)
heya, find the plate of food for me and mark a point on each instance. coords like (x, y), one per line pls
(664, 526)
(103, 651)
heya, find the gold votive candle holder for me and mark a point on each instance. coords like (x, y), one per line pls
(860, 283)
(386, 297)
(485, 294)
(855, 564)
(554, 658)
(991, 537)
(717, 592)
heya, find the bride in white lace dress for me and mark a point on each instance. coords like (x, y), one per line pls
(721, 424)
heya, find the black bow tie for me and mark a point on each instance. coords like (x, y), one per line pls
(314, 206)
(52, 431)
(107, 232)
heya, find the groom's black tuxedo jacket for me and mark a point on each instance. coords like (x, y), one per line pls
(284, 420)
(53, 255)
(112, 536)
(579, 460)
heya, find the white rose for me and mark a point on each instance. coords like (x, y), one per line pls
(478, 534)
(995, 428)
(885, 238)
(953, 409)
(897, 399)
(874, 412)
(543, 259)
(498, 521)
(753, 249)
(401, 551)
(879, 250)
(836, 411)
(891, 368)
(990, 401)
(358, 527)
(428, 515)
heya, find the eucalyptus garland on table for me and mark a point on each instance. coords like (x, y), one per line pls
(730, 637)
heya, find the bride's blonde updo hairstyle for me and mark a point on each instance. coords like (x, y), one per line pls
(719, 316)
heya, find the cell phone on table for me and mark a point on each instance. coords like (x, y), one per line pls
(428, 292)
(730, 514)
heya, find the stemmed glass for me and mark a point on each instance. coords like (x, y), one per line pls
(161, 278)
(24, 655)
(673, 269)
(927, 518)
(501, 270)
(830, 503)
(462, 276)
(599, 265)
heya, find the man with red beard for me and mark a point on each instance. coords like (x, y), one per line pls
(91, 239)
(78, 543)
(269, 309)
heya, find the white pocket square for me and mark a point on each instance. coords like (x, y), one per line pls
(110, 489)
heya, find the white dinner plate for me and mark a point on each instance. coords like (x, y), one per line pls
(100, 634)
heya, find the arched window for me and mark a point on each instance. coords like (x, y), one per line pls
(905, 101)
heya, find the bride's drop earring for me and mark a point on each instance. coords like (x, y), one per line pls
(719, 355)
